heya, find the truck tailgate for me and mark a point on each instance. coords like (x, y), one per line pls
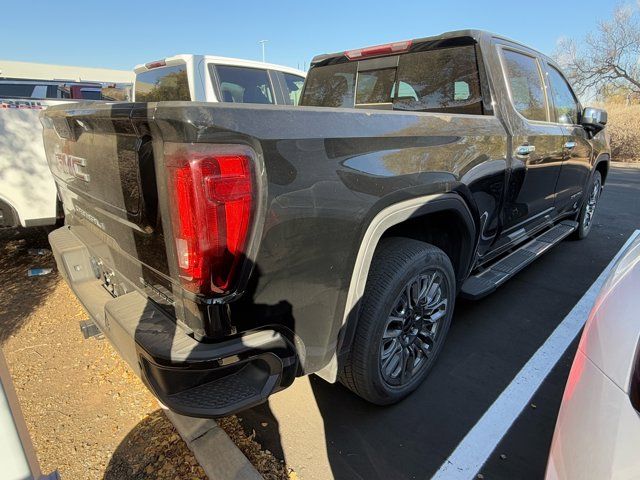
(102, 160)
(160, 210)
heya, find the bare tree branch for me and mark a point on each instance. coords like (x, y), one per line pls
(606, 62)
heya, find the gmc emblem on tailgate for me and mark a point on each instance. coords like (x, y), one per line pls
(72, 165)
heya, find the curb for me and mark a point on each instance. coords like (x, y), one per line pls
(219, 457)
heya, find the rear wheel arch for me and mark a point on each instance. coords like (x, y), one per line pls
(445, 229)
(443, 220)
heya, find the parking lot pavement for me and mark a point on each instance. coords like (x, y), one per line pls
(323, 430)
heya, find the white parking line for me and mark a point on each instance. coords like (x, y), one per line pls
(476, 447)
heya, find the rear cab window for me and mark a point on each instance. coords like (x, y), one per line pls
(243, 84)
(331, 86)
(160, 84)
(444, 80)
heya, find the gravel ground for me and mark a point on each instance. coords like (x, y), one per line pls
(89, 416)
(264, 461)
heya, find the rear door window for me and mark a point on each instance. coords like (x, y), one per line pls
(244, 85)
(525, 84)
(163, 84)
(445, 80)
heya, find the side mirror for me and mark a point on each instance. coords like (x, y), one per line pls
(593, 119)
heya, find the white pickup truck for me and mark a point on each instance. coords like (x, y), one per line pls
(206, 78)
(28, 194)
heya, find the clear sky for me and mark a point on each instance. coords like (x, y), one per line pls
(120, 34)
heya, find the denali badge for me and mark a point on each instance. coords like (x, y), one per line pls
(72, 165)
(89, 217)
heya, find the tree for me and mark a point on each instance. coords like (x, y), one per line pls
(606, 64)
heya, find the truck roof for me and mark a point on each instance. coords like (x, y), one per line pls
(475, 34)
(238, 62)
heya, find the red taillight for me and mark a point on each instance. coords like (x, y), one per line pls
(156, 64)
(212, 198)
(386, 49)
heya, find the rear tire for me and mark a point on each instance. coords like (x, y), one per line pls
(585, 218)
(405, 316)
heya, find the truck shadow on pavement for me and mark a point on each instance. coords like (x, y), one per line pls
(22, 294)
(361, 440)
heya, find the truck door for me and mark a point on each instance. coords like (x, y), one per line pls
(537, 147)
(576, 165)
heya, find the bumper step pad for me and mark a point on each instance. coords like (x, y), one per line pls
(484, 283)
(218, 394)
(249, 386)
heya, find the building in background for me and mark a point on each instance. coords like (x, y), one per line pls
(41, 80)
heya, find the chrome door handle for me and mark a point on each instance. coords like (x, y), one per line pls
(570, 145)
(525, 149)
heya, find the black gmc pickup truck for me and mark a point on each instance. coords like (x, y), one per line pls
(225, 249)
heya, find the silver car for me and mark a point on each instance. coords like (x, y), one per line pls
(597, 434)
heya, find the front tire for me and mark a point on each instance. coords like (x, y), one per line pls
(585, 219)
(405, 316)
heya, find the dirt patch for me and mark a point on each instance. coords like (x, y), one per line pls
(20, 293)
(153, 449)
(264, 461)
(89, 416)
